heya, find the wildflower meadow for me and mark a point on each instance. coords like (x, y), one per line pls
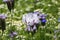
(30, 20)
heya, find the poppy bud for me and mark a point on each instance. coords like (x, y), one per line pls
(10, 4)
(2, 22)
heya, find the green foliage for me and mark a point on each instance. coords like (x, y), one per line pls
(49, 7)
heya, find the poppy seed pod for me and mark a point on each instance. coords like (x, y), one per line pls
(10, 4)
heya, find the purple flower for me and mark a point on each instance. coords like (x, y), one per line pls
(43, 20)
(12, 34)
(2, 16)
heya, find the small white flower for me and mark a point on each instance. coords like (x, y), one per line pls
(49, 4)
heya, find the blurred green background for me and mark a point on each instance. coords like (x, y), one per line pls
(49, 7)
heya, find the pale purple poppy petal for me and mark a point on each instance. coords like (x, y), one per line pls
(14, 33)
(34, 28)
(28, 28)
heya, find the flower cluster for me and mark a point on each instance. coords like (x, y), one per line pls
(32, 19)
